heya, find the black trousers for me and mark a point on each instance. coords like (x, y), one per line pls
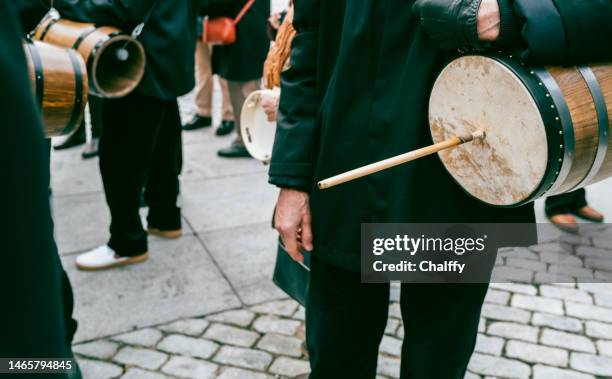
(345, 322)
(140, 144)
(565, 203)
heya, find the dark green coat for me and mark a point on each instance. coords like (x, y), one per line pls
(357, 92)
(33, 314)
(168, 37)
(242, 60)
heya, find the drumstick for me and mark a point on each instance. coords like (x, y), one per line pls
(400, 159)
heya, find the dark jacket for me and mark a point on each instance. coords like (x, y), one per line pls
(242, 60)
(30, 274)
(357, 92)
(168, 36)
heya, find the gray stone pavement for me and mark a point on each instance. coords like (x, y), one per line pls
(204, 306)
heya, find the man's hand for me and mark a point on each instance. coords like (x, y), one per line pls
(488, 21)
(269, 103)
(292, 220)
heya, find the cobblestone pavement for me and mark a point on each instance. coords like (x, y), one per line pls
(203, 306)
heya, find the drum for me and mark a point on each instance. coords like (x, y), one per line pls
(547, 128)
(115, 60)
(59, 82)
(257, 132)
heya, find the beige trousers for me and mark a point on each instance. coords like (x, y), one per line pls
(238, 92)
(204, 84)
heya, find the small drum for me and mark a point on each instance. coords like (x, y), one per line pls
(547, 129)
(59, 83)
(257, 132)
(115, 60)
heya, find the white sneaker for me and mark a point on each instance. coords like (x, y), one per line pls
(104, 257)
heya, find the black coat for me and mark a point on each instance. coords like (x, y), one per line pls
(357, 92)
(168, 37)
(33, 312)
(242, 60)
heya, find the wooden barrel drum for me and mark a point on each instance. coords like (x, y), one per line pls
(59, 83)
(115, 60)
(547, 129)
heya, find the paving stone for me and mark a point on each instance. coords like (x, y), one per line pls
(136, 373)
(598, 330)
(143, 337)
(289, 367)
(388, 366)
(511, 274)
(554, 278)
(482, 325)
(605, 288)
(526, 289)
(497, 297)
(593, 252)
(555, 247)
(191, 327)
(514, 331)
(518, 252)
(101, 349)
(528, 264)
(539, 304)
(400, 332)
(145, 358)
(489, 345)
(279, 344)
(238, 373)
(604, 348)
(392, 325)
(557, 322)
(504, 313)
(593, 364)
(300, 314)
(567, 341)
(603, 299)
(186, 367)
(546, 372)
(98, 369)
(240, 317)
(560, 258)
(272, 324)
(533, 353)
(395, 311)
(573, 271)
(496, 366)
(183, 345)
(280, 308)
(395, 291)
(589, 312)
(391, 346)
(469, 375)
(599, 264)
(231, 335)
(241, 357)
(572, 294)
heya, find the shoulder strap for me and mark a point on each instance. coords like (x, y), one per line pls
(138, 29)
(243, 11)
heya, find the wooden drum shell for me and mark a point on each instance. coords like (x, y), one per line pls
(565, 111)
(59, 84)
(108, 78)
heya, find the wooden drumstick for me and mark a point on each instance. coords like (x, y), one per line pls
(400, 159)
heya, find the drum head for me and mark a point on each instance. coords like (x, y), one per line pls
(257, 132)
(479, 93)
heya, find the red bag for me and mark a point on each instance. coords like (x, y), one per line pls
(222, 30)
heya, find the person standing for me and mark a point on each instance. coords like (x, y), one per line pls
(357, 92)
(562, 209)
(204, 91)
(240, 63)
(141, 137)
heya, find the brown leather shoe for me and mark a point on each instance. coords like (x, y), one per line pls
(565, 222)
(170, 234)
(588, 213)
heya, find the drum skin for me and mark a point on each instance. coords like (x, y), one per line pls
(547, 129)
(109, 77)
(59, 83)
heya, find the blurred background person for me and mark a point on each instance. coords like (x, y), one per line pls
(204, 91)
(240, 63)
(562, 209)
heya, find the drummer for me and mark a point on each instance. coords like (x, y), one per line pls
(357, 92)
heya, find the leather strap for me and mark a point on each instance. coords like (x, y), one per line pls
(244, 10)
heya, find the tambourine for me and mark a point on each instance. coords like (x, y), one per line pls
(257, 132)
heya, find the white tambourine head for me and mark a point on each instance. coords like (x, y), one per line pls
(257, 132)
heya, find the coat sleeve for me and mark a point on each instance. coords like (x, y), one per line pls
(30, 12)
(296, 142)
(566, 31)
(120, 13)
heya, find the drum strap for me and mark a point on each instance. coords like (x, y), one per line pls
(78, 90)
(602, 119)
